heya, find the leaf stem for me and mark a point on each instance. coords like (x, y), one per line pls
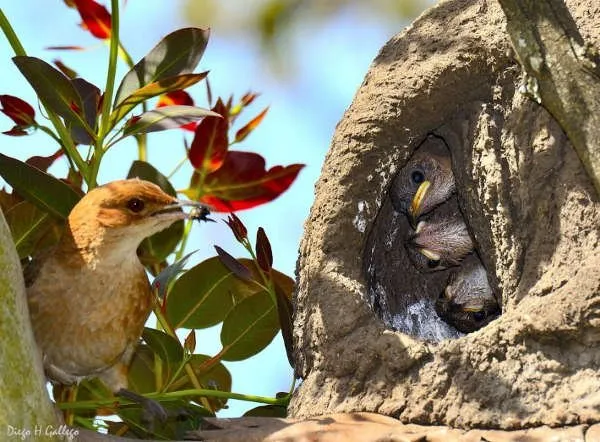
(184, 239)
(111, 73)
(173, 396)
(178, 166)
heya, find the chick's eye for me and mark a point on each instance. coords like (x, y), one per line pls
(417, 177)
(135, 205)
(433, 263)
(479, 316)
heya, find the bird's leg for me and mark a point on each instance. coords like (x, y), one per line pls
(151, 409)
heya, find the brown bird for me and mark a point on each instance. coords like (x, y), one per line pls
(468, 302)
(425, 181)
(89, 296)
(441, 240)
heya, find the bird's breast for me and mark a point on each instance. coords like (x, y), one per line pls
(84, 318)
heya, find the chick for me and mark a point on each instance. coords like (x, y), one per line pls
(425, 181)
(468, 303)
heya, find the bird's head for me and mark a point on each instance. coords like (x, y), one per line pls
(425, 182)
(468, 303)
(122, 213)
(437, 244)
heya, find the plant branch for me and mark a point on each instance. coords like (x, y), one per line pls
(564, 72)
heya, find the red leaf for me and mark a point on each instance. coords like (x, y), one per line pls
(96, 18)
(264, 255)
(243, 182)
(237, 227)
(175, 97)
(210, 143)
(16, 131)
(252, 124)
(178, 97)
(65, 48)
(17, 110)
(248, 98)
(65, 69)
(43, 163)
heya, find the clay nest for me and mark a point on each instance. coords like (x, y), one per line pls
(530, 208)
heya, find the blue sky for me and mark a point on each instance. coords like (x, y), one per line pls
(329, 63)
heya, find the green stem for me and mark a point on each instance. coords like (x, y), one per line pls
(111, 74)
(64, 135)
(184, 239)
(173, 396)
(178, 166)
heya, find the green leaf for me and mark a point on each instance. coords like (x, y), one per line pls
(167, 348)
(141, 377)
(249, 327)
(163, 118)
(53, 89)
(267, 411)
(153, 89)
(177, 53)
(39, 188)
(156, 248)
(27, 224)
(168, 274)
(90, 96)
(204, 295)
(211, 375)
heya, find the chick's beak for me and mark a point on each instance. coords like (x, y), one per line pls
(414, 210)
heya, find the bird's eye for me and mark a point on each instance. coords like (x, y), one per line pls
(136, 205)
(417, 177)
(433, 263)
(479, 316)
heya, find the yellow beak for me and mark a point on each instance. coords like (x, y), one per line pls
(430, 255)
(415, 206)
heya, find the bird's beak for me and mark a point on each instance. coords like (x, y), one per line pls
(199, 211)
(430, 254)
(414, 210)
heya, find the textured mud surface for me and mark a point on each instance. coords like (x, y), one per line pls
(528, 203)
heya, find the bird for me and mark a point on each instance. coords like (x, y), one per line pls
(425, 181)
(441, 240)
(89, 296)
(468, 302)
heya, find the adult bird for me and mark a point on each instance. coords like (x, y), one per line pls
(468, 302)
(441, 240)
(425, 181)
(89, 296)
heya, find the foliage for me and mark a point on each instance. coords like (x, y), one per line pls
(248, 296)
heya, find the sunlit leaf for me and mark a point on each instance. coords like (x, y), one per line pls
(96, 18)
(241, 134)
(232, 264)
(175, 97)
(168, 117)
(203, 295)
(246, 100)
(166, 347)
(242, 182)
(190, 342)
(160, 245)
(53, 89)
(249, 327)
(210, 143)
(154, 89)
(37, 187)
(177, 53)
(27, 224)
